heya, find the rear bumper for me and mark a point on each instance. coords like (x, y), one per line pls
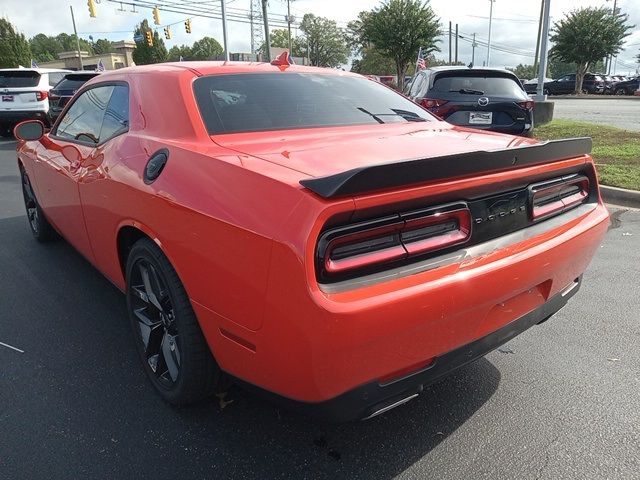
(8, 117)
(375, 398)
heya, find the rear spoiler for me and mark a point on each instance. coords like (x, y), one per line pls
(408, 172)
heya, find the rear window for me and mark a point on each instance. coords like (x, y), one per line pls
(17, 78)
(278, 101)
(487, 84)
(72, 83)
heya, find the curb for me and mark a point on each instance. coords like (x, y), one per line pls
(620, 196)
(593, 97)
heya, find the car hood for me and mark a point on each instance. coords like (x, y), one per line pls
(326, 151)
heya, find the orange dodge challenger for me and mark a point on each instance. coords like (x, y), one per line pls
(307, 232)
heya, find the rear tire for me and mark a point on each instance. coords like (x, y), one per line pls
(172, 348)
(620, 91)
(38, 224)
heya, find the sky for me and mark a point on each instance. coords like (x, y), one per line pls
(514, 27)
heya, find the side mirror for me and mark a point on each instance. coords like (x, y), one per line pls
(29, 130)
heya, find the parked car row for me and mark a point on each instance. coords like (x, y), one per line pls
(36, 94)
(592, 83)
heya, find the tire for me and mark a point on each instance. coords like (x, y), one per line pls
(545, 92)
(172, 348)
(38, 224)
(620, 91)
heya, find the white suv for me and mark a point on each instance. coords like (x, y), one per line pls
(24, 94)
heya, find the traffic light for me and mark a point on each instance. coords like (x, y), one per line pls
(149, 36)
(156, 16)
(92, 8)
(167, 33)
(187, 26)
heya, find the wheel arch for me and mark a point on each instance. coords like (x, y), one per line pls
(128, 234)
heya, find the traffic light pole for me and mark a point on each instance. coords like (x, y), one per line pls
(73, 20)
(544, 53)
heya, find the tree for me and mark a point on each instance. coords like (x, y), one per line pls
(587, 35)
(280, 38)
(68, 43)
(373, 63)
(327, 43)
(144, 54)
(398, 29)
(206, 48)
(14, 48)
(102, 46)
(525, 71)
(44, 48)
(178, 52)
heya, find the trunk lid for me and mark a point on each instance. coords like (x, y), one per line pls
(326, 151)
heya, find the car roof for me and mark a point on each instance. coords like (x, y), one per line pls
(200, 68)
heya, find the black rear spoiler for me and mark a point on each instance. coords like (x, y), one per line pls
(408, 172)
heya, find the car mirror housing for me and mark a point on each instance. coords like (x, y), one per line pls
(29, 130)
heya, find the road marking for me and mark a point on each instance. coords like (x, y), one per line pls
(12, 348)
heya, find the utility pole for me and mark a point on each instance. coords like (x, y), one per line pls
(449, 43)
(537, 57)
(456, 43)
(607, 67)
(542, 70)
(224, 30)
(473, 50)
(489, 39)
(266, 30)
(73, 20)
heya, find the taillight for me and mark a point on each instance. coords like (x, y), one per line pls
(432, 102)
(556, 196)
(527, 105)
(377, 242)
(41, 96)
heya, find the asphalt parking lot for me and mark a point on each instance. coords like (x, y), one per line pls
(560, 401)
(621, 112)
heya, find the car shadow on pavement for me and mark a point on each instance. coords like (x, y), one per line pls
(79, 393)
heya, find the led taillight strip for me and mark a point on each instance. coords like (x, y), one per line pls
(557, 196)
(402, 236)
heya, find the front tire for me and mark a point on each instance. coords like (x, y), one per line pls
(40, 227)
(173, 350)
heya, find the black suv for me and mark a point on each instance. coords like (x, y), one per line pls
(484, 98)
(567, 84)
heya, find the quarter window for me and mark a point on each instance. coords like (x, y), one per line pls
(116, 118)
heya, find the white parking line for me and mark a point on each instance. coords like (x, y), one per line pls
(12, 348)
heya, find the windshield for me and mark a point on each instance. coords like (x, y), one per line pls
(72, 82)
(17, 78)
(276, 101)
(478, 84)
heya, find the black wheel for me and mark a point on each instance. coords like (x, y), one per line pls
(620, 91)
(171, 345)
(40, 227)
(545, 92)
(6, 131)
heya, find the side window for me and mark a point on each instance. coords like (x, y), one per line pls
(54, 78)
(116, 118)
(83, 120)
